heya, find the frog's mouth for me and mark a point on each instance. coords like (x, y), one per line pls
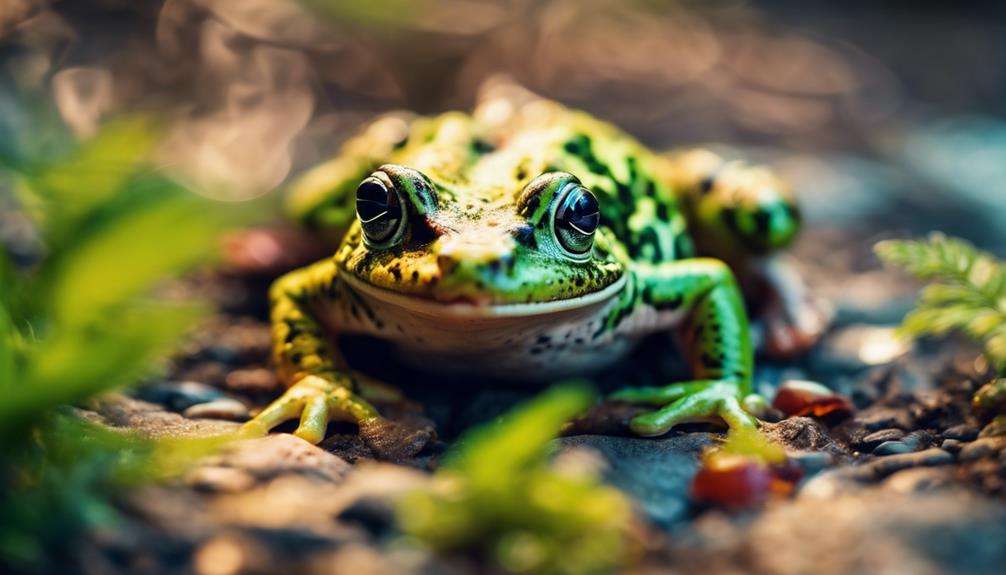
(462, 308)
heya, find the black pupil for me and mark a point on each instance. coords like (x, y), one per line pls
(378, 209)
(577, 219)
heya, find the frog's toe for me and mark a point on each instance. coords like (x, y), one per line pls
(693, 401)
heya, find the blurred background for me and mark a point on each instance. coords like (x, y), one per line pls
(864, 105)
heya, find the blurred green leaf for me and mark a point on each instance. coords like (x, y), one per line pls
(130, 257)
(7, 342)
(93, 173)
(63, 371)
(498, 498)
(968, 296)
(487, 455)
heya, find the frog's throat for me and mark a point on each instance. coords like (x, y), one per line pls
(461, 310)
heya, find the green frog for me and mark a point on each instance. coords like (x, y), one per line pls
(530, 241)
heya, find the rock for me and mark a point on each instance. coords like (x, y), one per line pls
(882, 417)
(884, 466)
(656, 472)
(982, 448)
(808, 398)
(952, 445)
(281, 454)
(219, 479)
(893, 448)
(877, 530)
(811, 462)
(152, 420)
(256, 380)
(223, 408)
(962, 432)
(178, 396)
(920, 479)
(912, 442)
(872, 440)
(801, 434)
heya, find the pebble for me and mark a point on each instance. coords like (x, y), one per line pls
(811, 462)
(962, 432)
(920, 479)
(982, 448)
(952, 445)
(178, 396)
(877, 418)
(911, 442)
(214, 478)
(885, 466)
(252, 380)
(223, 408)
(871, 441)
(893, 448)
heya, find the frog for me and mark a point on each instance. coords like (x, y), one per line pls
(529, 241)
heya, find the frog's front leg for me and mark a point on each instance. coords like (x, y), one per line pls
(716, 341)
(321, 386)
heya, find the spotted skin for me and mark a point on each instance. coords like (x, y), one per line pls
(477, 279)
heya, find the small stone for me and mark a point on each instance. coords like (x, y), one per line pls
(219, 479)
(893, 448)
(951, 445)
(223, 408)
(962, 432)
(811, 462)
(982, 448)
(257, 380)
(807, 398)
(801, 434)
(920, 479)
(886, 466)
(281, 454)
(877, 418)
(871, 441)
(178, 396)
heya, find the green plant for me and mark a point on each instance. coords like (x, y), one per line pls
(76, 319)
(498, 498)
(968, 293)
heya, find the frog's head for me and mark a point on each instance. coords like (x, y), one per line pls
(539, 245)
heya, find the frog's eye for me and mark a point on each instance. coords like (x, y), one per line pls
(577, 216)
(380, 210)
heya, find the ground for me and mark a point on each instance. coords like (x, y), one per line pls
(902, 485)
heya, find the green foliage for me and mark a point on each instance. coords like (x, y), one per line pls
(79, 319)
(497, 497)
(968, 293)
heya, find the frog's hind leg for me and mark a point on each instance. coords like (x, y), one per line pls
(745, 215)
(717, 344)
(323, 388)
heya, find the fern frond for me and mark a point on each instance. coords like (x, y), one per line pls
(969, 295)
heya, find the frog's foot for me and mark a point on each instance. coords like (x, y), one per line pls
(686, 402)
(318, 400)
